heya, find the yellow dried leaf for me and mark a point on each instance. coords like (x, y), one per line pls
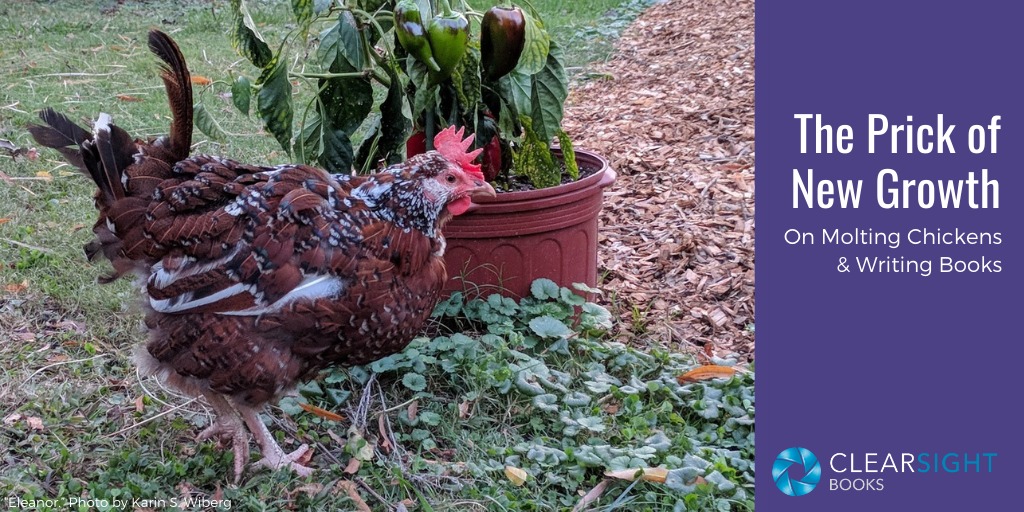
(711, 371)
(128, 97)
(323, 413)
(516, 476)
(45, 175)
(657, 475)
(201, 80)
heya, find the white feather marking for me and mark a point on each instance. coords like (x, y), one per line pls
(102, 124)
(371, 192)
(312, 287)
(185, 301)
(162, 278)
(235, 208)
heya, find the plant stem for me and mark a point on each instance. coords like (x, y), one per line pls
(354, 74)
(429, 129)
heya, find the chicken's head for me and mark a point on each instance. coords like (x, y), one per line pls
(461, 180)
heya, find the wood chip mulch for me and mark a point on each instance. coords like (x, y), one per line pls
(673, 111)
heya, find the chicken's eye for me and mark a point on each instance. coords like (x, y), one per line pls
(450, 178)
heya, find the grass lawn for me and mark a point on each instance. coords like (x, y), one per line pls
(77, 422)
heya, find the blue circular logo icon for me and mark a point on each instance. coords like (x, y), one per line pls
(796, 484)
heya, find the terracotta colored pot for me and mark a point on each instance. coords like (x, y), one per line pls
(502, 245)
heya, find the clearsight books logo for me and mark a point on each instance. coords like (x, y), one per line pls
(796, 471)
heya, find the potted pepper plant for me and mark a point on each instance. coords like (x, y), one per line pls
(359, 84)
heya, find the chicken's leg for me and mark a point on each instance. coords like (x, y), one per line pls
(273, 456)
(227, 427)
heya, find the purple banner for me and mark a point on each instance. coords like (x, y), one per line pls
(889, 155)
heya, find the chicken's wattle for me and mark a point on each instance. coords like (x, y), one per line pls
(460, 205)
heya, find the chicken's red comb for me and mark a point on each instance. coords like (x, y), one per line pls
(452, 146)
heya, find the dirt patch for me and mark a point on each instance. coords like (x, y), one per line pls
(673, 111)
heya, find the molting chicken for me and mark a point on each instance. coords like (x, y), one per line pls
(255, 278)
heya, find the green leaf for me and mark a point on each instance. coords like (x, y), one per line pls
(246, 39)
(395, 126)
(342, 105)
(534, 159)
(549, 327)
(274, 101)
(206, 123)
(430, 418)
(303, 10)
(290, 405)
(544, 288)
(241, 94)
(427, 96)
(466, 82)
(571, 298)
(536, 47)
(568, 156)
(587, 289)
(546, 402)
(345, 102)
(592, 423)
(549, 91)
(320, 6)
(520, 90)
(414, 381)
(341, 48)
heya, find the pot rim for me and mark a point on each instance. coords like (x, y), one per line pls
(582, 155)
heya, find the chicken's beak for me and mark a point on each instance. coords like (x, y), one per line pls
(481, 189)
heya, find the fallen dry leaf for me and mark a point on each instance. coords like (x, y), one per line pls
(349, 489)
(711, 371)
(323, 413)
(353, 466)
(657, 475)
(34, 423)
(128, 97)
(45, 175)
(385, 439)
(5, 220)
(311, 489)
(516, 476)
(140, 404)
(464, 410)
(306, 457)
(201, 80)
(414, 407)
(25, 336)
(11, 419)
(16, 287)
(591, 496)
(57, 358)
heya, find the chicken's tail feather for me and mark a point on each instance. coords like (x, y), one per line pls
(178, 83)
(126, 171)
